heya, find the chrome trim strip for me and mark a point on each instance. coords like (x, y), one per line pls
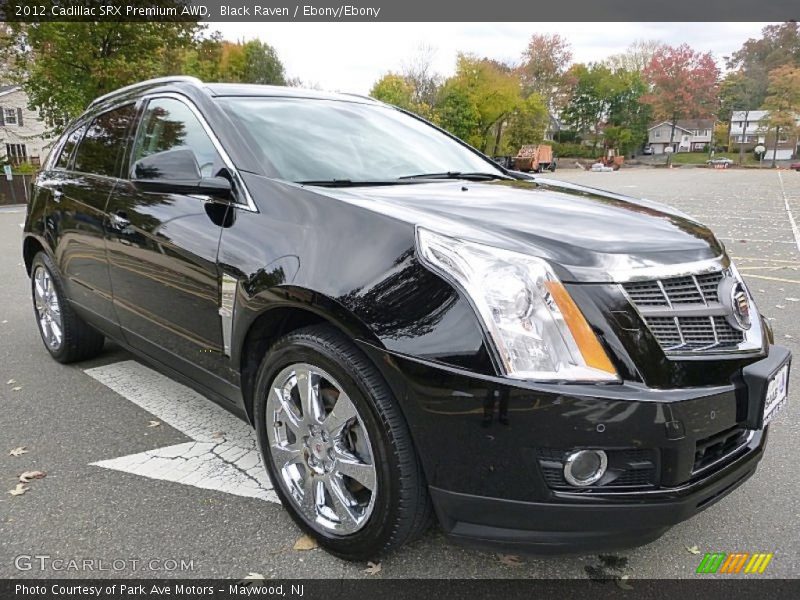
(699, 289)
(647, 273)
(250, 205)
(155, 81)
(227, 305)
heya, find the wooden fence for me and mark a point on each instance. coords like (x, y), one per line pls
(16, 191)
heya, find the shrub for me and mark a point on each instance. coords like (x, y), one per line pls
(575, 151)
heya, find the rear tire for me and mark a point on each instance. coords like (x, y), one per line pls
(67, 337)
(342, 513)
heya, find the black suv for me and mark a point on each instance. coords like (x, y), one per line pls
(411, 329)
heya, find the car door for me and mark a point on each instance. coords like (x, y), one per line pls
(162, 247)
(79, 187)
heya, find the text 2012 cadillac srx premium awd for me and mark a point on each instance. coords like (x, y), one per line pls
(414, 332)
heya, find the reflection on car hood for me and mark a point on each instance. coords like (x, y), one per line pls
(590, 234)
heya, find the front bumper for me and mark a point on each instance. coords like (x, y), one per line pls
(563, 526)
(480, 438)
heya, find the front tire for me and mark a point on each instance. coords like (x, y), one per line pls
(67, 337)
(336, 446)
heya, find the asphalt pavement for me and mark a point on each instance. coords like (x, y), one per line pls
(138, 485)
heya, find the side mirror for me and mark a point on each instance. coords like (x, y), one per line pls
(177, 172)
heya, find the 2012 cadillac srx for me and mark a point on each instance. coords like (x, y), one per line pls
(413, 331)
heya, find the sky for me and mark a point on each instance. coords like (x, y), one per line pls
(350, 57)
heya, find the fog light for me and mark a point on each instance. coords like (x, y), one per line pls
(585, 467)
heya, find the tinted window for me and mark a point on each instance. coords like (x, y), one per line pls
(311, 140)
(169, 124)
(102, 146)
(69, 146)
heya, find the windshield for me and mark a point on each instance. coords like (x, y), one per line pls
(309, 140)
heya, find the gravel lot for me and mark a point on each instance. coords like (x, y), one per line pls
(68, 418)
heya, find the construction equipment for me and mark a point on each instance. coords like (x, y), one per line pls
(536, 158)
(612, 159)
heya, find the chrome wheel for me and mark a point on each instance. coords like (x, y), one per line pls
(320, 449)
(48, 308)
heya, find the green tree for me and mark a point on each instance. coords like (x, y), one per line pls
(527, 124)
(215, 59)
(740, 92)
(64, 66)
(262, 65)
(608, 102)
(457, 112)
(394, 89)
(494, 90)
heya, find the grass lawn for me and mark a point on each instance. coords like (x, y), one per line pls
(699, 158)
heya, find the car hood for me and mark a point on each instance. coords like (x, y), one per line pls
(588, 234)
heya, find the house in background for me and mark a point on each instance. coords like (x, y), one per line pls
(22, 132)
(691, 135)
(554, 126)
(756, 132)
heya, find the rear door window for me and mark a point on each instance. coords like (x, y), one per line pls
(100, 152)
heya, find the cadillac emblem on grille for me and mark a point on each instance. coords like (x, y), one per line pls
(740, 306)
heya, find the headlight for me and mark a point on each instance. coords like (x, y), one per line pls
(537, 329)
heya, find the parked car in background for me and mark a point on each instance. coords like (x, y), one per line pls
(413, 331)
(648, 150)
(720, 162)
(795, 166)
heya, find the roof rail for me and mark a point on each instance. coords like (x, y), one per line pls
(362, 96)
(156, 81)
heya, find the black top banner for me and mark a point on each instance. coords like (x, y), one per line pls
(401, 11)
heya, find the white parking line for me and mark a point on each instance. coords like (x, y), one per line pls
(792, 222)
(223, 455)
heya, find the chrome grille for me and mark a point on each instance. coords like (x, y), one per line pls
(692, 333)
(685, 313)
(691, 289)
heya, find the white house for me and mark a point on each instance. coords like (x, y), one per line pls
(22, 132)
(749, 129)
(691, 135)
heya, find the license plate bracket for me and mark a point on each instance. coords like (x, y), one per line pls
(758, 377)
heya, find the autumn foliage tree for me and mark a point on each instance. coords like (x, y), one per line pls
(783, 102)
(544, 63)
(683, 84)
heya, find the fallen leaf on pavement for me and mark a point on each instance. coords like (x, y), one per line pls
(11, 382)
(372, 568)
(305, 543)
(18, 451)
(218, 434)
(622, 583)
(154, 423)
(693, 549)
(16, 388)
(19, 490)
(510, 560)
(29, 476)
(252, 576)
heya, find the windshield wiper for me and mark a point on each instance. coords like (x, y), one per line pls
(348, 182)
(470, 176)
